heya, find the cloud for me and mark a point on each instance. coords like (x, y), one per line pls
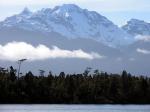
(17, 50)
(142, 38)
(143, 51)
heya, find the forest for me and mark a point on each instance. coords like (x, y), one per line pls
(89, 87)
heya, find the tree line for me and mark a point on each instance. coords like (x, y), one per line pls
(86, 88)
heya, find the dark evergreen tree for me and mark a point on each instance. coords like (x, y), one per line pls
(85, 88)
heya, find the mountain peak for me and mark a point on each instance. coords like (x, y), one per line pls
(70, 6)
(137, 27)
(26, 11)
(67, 8)
(135, 21)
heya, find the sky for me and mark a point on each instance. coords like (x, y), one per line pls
(118, 11)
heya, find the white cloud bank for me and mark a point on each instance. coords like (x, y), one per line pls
(143, 51)
(17, 50)
(142, 38)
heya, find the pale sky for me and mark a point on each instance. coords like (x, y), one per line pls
(118, 11)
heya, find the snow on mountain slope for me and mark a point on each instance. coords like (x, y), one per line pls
(72, 22)
(137, 27)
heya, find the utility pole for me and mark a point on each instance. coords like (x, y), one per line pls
(19, 67)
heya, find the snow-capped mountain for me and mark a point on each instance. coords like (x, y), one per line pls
(71, 28)
(137, 27)
(72, 22)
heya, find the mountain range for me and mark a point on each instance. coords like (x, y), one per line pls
(72, 22)
(71, 27)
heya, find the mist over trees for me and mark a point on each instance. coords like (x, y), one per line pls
(85, 88)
